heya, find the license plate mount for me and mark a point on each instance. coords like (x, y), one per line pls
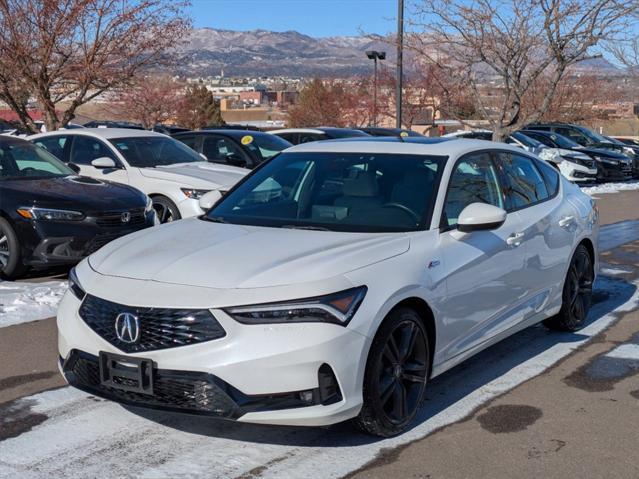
(126, 373)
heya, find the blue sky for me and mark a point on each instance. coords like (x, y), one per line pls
(319, 18)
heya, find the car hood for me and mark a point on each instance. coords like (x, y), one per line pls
(604, 153)
(195, 252)
(73, 192)
(199, 175)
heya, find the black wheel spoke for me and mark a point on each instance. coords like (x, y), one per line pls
(393, 349)
(399, 401)
(387, 390)
(409, 334)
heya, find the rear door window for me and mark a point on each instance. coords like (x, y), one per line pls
(525, 185)
(54, 145)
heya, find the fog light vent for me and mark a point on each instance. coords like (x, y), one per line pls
(328, 388)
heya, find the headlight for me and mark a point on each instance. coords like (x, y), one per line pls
(149, 205)
(74, 285)
(35, 213)
(194, 194)
(338, 308)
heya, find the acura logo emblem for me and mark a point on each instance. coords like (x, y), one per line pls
(127, 328)
(125, 217)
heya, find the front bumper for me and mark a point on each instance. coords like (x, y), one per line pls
(267, 374)
(46, 243)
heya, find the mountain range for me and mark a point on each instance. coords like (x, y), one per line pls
(208, 52)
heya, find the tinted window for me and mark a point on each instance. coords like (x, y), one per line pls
(336, 191)
(474, 180)
(573, 135)
(265, 147)
(218, 149)
(22, 160)
(190, 141)
(152, 151)
(86, 149)
(550, 176)
(524, 184)
(54, 145)
(308, 137)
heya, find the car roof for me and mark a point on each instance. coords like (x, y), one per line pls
(12, 139)
(452, 147)
(106, 133)
(230, 132)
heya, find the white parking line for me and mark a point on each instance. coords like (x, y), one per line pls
(625, 351)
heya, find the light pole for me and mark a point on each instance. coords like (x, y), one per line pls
(400, 55)
(375, 55)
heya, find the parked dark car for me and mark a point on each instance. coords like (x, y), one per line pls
(49, 216)
(379, 131)
(304, 135)
(610, 164)
(241, 148)
(169, 129)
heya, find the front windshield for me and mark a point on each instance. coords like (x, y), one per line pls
(336, 191)
(22, 160)
(593, 136)
(527, 141)
(152, 151)
(564, 142)
(265, 146)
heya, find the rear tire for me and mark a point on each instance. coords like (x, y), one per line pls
(396, 374)
(11, 266)
(165, 209)
(577, 293)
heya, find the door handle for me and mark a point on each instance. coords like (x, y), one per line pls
(515, 239)
(566, 221)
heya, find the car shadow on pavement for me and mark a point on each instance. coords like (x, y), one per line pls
(443, 391)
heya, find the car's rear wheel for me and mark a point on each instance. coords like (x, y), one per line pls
(577, 293)
(165, 209)
(10, 261)
(396, 374)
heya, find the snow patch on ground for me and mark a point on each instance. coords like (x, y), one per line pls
(23, 302)
(610, 188)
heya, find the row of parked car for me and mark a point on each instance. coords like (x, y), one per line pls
(79, 188)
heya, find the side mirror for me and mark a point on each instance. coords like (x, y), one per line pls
(480, 216)
(209, 199)
(103, 163)
(74, 167)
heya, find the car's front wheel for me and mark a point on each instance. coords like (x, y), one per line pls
(396, 374)
(577, 293)
(10, 261)
(165, 209)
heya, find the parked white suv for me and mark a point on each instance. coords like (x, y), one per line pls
(333, 283)
(172, 174)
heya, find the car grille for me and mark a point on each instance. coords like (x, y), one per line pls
(99, 241)
(114, 218)
(181, 390)
(159, 328)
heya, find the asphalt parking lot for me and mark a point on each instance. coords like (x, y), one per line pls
(538, 404)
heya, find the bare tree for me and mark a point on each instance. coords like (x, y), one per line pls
(68, 52)
(500, 48)
(150, 99)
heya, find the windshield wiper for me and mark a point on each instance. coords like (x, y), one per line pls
(302, 227)
(215, 219)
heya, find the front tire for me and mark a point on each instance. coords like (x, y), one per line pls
(396, 374)
(577, 293)
(165, 209)
(11, 265)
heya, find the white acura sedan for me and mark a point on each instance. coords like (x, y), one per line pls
(332, 283)
(172, 174)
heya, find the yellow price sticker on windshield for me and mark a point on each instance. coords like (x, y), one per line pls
(403, 133)
(247, 140)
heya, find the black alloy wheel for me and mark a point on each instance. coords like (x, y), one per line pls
(396, 374)
(165, 209)
(577, 293)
